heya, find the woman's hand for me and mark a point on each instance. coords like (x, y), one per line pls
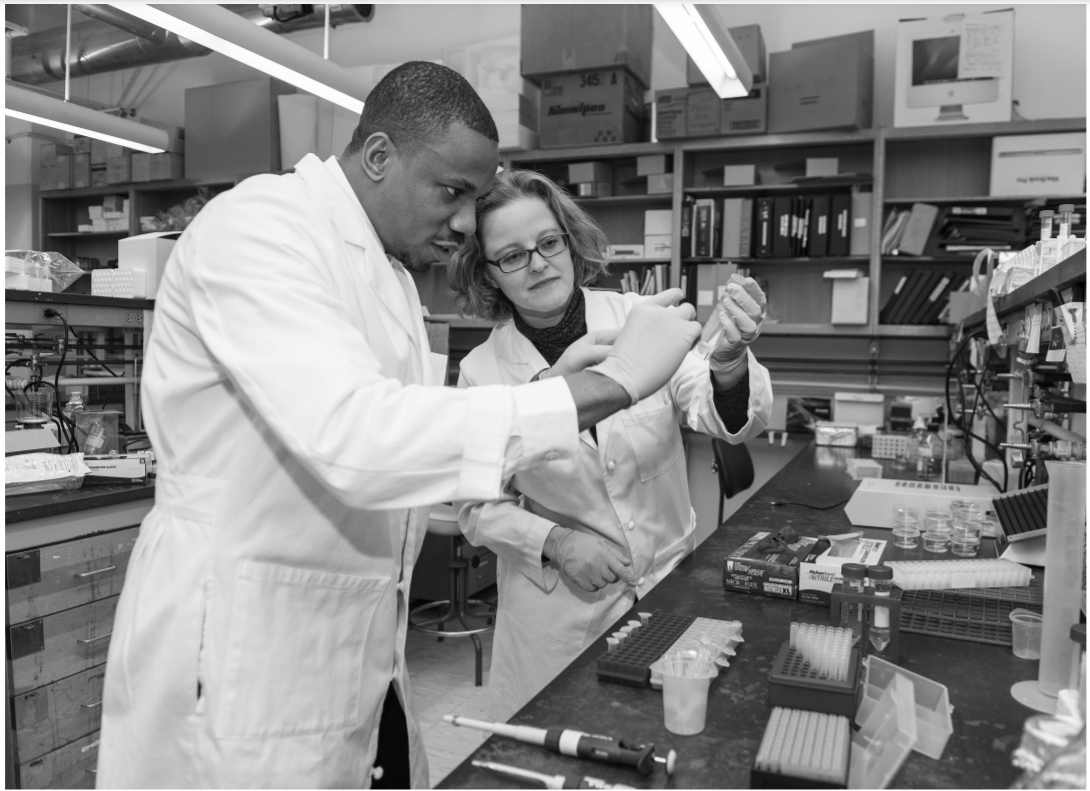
(591, 349)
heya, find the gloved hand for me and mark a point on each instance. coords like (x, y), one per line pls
(590, 562)
(591, 349)
(654, 340)
(740, 311)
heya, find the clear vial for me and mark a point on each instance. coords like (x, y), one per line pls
(965, 541)
(906, 537)
(881, 578)
(851, 613)
(1046, 224)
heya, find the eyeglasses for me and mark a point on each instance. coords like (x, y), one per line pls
(520, 259)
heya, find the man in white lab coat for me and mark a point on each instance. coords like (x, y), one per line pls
(259, 638)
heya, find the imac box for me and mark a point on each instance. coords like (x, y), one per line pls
(872, 504)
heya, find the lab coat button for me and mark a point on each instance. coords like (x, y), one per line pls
(631, 524)
(401, 587)
(610, 466)
(639, 581)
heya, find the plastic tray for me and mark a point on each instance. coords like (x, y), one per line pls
(726, 634)
(631, 662)
(977, 615)
(933, 709)
(777, 775)
(888, 446)
(794, 684)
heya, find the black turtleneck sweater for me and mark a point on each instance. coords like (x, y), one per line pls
(732, 404)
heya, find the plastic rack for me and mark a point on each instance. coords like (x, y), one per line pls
(793, 683)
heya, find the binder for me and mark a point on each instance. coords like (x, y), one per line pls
(819, 226)
(913, 296)
(762, 244)
(687, 202)
(703, 225)
(781, 240)
(745, 234)
(900, 305)
(859, 238)
(929, 297)
(804, 226)
(891, 300)
(953, 284)
(732, 228)
(918, 228)
(840, 224)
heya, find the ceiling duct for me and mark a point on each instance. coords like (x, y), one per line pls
(110, 40)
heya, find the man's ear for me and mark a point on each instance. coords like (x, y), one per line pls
(375, 154)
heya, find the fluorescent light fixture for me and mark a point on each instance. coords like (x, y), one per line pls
(230, 34)
(711, 47)
(39, 108)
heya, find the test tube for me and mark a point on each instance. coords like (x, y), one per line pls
(1046, 224)
(612, 643)
(1066, 210)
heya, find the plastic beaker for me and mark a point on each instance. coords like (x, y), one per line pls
(685, 683)
(906, 537)
(1026, 633)
(34, 407)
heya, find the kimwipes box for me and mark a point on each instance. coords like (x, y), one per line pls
(818, 572)
(748, 570)
(106, 470)
(590, 108)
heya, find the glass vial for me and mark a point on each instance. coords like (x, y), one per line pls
(881, 577)
(851, 613)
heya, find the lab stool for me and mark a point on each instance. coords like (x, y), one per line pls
(459, 607)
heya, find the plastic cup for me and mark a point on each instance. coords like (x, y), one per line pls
(34, 407)
(905, 515)
(685, 684)
(1026, 634)
(906, 537)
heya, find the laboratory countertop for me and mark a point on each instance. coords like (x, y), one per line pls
(23, 507)
(987, 721)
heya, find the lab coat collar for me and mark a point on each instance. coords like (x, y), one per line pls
(332, 191)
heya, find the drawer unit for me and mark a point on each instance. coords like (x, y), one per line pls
(72, 766)
(57, 714)
(61, 576)
(54, 647)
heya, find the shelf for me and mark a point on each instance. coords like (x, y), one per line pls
(1067, 273)
(1045, 126)
(775, 189)
(847, 259)
(14, 295)
(796, 139)
(783, 328)
(637, 261)
(87, 192)
(625, 200)
(921, 259)
(913, 330)
(991, 199)
(179, 184)
(88, 234)
(618, 151)
(138, 186)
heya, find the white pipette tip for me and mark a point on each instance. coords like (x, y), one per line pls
(670, 760)
(451, 718)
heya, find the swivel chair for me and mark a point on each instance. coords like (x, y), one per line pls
(735, 468)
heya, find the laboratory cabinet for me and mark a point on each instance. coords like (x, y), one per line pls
(60, 604)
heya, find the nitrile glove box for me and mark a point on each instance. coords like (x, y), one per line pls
(147, 253)
(819, 572)
(776, 574)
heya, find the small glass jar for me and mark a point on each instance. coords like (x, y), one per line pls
(936, 537)
(906, 515)
(906, 537)
(965, 540)
(962, 510)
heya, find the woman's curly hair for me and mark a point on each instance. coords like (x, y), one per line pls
(473, 292)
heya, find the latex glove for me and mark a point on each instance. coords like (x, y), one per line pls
(741, 311)
(591, 562)
(652, 344)
(591, 349)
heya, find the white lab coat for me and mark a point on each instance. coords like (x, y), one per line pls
(295, 443)
(630, 488)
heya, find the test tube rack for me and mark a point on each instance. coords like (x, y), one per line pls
(840, 597)
(802, 749)
(979, 615)
(794, 683)
(725, 635)
(630, 662)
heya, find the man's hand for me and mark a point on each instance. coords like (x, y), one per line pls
(654, 340)
(741, 311)
(588, 561)
(591, 349)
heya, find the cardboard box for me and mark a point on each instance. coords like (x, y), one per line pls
(141, 166)
(590, 108)
(579, 172)
(47, 177)
(954, 70)
(824, 84)
(175, 135)
(119, 169)
(859, 409)
(652, 165)
(671, 113)
(592, 189)
(81, 145)
(81, 170)
(660, 184)
(50, 151)
(1031, 165)
(147, 253)
(233, 129)
(702, 113)
(750, 43)
(745, 116)
(112, 203)
(850, 302)
(818, 573)
(658, 221)
(113, 151)
(62, 172)
(748, 570)
(739, 175)
(98, 152)
(569, 38)
(167, 166)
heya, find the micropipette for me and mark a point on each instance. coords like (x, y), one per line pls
(549, 781)
(565, 741)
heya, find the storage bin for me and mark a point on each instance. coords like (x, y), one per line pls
(933, 709)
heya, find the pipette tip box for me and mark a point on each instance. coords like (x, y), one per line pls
(802, 749)
(794, 683)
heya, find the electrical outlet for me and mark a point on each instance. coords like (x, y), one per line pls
(134, 317)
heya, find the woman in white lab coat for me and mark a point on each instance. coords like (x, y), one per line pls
(578, 540)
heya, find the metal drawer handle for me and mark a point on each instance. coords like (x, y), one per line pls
(96, 571)
(94, 705)
(90, 746)
(88, 640)
(92, 771)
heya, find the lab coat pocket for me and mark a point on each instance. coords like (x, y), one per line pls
(655, 438)
(296, 651)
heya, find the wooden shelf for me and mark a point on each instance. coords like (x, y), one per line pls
(989, 199)
(913, 330)
(625, 200)
(619, 151)
(86, 234)
(1067, 273)
(797, 139)
(775, 189)
(1044, 126)
(847, 259)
